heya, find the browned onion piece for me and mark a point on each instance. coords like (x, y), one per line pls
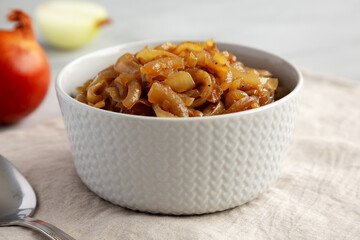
(195, 113)
(203, 78)
(190, 60)
(105, 76)
(81, 98)
(168, 46)
(214, 109)
(188, 46)
(233, 96)
(99, 104)
(147, 54)
(121, 89)
(193, 93)
(219, 58)
(83, 88)
(167, 63)
(180, 81)
(124, 78)
(134, 92)
(243, 104)
(114, 94)
(216, 93)
(205, 60)
(95, 92)
(164, 96)
(127, 63)
(187, 100)
(162, 113)
(264, 73)
(205, 93)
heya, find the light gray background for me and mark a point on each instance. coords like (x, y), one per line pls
(323, 35)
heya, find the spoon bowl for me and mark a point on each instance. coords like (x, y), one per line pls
(18, 198)
(18, 203)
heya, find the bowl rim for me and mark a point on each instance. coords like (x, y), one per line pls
(61, 93)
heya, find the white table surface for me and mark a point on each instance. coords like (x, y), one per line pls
(321, 35)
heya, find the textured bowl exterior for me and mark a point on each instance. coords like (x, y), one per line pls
(178, 166)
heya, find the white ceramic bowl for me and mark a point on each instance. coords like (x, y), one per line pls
(181, 165)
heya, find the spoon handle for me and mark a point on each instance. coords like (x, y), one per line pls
(45, 228)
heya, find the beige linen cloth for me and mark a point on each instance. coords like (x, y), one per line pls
(316, 197)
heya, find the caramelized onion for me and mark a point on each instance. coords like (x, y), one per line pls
(180, 81)
(164, 96)
(127, 63)
(185, 80)
(134, 92)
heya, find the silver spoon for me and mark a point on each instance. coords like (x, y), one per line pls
(18, 203)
